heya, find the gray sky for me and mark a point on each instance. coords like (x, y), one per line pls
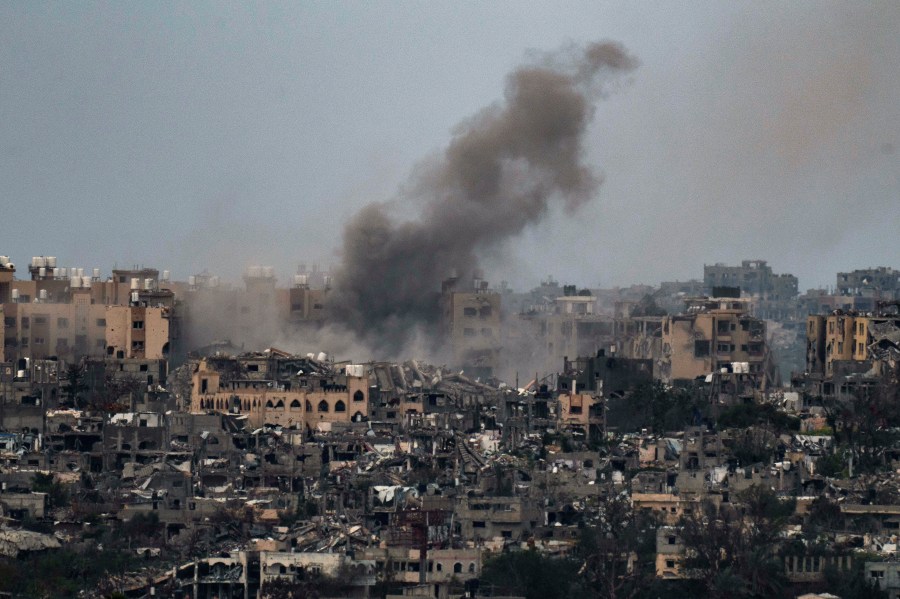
(214, 135)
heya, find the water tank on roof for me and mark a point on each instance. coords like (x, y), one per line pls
(42, 272)
(165, 276)
(135, 297)
(62, 272)
(38, 261)
(301, 280)
(322, 356)
(4, 260)
(148, 284)
(75, 282)
(86, 282)
(80, 272)
(51, 262)
(96, 273)
(135, 284)
(43, 295)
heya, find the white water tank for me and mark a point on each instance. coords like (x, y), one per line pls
(43, 295)
(148, 284)
(4, 260)
(80, 272)
(20, 374)
(42, 272)
(51, 262)
(75, 282)
(135, 284)
(86, 282)
(15, 295)
(96, 273)
(165, 276)
(135, 297)
(322, 356)
(192, 280)
(62, 272)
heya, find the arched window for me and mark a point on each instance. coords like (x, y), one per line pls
(340, 406)
(472, 567)
(280, 405)
(323, 406)
(358, 396)
(457, 568)
(269, 404)
(295, 405)
(358, 417)
(440, 567)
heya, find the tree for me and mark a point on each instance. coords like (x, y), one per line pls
(733, 547)
(617, 553)
(531, 575)
(74, 387)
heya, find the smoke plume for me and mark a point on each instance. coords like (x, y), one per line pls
(501, 172)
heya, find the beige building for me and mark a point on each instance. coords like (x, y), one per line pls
(137, 332)
(847, 337)
(712, 334)
(301, 402)
(471, 321)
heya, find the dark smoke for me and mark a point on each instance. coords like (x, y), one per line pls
(502, 170)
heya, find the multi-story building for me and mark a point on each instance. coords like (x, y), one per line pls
(850, 337)
(755, 277)
(880, 283)
(470, 321)
(279, 389)
(711, 335)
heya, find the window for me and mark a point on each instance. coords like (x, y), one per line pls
(24, 342)
(340, 406)
(323, 406)
(485, 311)
(137, 324)
(26, 322)
(62, 323)
(358, 396)
(468, 332)
(9, 321)
(38, 341)
(671, 539)
(143, 368)
(253, 367)
(40, 320)
(478, 524)
(670, 563)
(137, 346)
(101, 322)
(295, 405)
(470, 312)
(701, 348)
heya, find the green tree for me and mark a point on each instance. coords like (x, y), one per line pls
(531, 575)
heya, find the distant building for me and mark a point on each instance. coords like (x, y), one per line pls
(470, 319)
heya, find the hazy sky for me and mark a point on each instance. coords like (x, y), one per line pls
(217, 135)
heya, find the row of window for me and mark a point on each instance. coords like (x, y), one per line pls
(339, 405)
(61, 322)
